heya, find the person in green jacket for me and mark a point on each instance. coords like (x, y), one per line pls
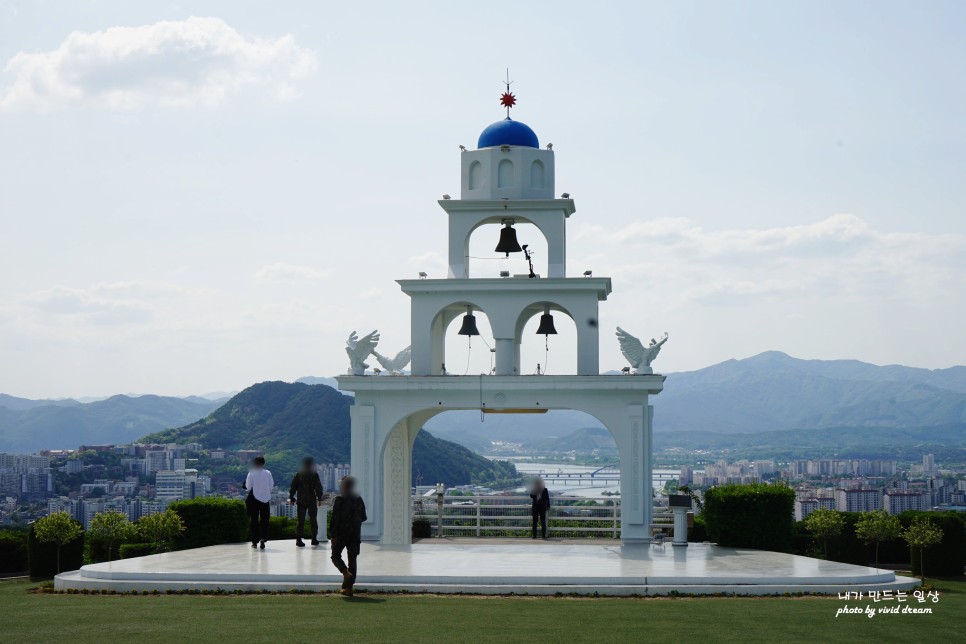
(345, 531)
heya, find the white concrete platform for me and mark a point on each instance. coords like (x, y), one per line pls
(488, 567)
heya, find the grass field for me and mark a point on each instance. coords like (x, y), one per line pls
(32, 617)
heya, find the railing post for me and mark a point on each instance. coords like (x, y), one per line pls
(479, 503)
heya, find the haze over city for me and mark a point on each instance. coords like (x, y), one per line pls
(179, 228)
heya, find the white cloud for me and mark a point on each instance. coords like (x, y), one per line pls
(198, 62)
(88, 306)
(839, 256)
(282, 272)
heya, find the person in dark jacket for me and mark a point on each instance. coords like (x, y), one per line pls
(306, 491)
(538, 508)
(345, 531)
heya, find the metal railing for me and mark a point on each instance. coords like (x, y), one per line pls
(508, 516)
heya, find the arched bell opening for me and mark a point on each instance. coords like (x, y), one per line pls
(546, 335)
(485, 260)
(464, 341)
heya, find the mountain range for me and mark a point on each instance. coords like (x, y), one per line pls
(768, 392)
(33, 425)
(765, 393)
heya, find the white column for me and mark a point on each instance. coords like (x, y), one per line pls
(647, 456)
(365, 469)
(505, 355)
(396, 494)
(680, 527)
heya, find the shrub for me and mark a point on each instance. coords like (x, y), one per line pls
(946, 558)
(160, 529)
(42, 555)
(107, 530)
(699, 531)
(755, 515)
(284, 528)
(129, 550)
(210, 521)
(877, 527)
(824, 524)
(13, 550)
(59, 529)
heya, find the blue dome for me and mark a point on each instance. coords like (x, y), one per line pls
(508, 132)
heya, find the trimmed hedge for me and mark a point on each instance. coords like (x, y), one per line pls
(753, 515)
(947, 558)
(699, 531)
(13, 550)
(42, 557)
(210, 521)
(129, 550)
(284, 528)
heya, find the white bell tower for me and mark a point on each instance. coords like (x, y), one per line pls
(507, 180)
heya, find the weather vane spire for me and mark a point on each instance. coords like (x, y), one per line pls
(508, 100)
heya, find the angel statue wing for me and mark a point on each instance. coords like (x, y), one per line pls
(395, 365)
(358, 349)
(653, 349)
(631, 347)
(636, 353)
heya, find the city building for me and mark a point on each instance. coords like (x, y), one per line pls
(860, 499)
(897, 502)
(805, 507)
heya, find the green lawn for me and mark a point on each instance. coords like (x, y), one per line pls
(30, 617)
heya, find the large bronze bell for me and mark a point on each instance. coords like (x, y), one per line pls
(508, 240)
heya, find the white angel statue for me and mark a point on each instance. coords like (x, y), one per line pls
(393, 366)
(358, 349)
(636, 353)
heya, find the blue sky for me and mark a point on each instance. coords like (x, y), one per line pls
(202, 203)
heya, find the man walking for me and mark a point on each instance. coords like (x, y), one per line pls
(306, 491)
(259, 484)
(345, 531)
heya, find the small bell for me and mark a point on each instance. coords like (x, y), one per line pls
(469, 324)
(508, 240)
(546, 324)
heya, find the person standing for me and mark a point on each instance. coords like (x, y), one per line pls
(345, 531)
(306, 491)
(259, 484)
(539, 506)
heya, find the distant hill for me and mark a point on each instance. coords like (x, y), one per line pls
(20, 404)
(29, 426)
(773, 391)
(585, 439)
(765, 393)
(947, 442)
(292, 420)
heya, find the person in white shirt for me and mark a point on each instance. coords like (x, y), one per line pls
(259, 484)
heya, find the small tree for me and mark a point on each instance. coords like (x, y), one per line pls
(58, 528)
(824, 524)
(922, 533)
(877, 526)
(112, 528)
(160, 529)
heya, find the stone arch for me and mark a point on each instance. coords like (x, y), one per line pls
(442, 319)
(391, 499)
(528, 313)
(541, 261)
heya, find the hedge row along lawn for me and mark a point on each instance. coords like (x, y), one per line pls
(32, 617)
